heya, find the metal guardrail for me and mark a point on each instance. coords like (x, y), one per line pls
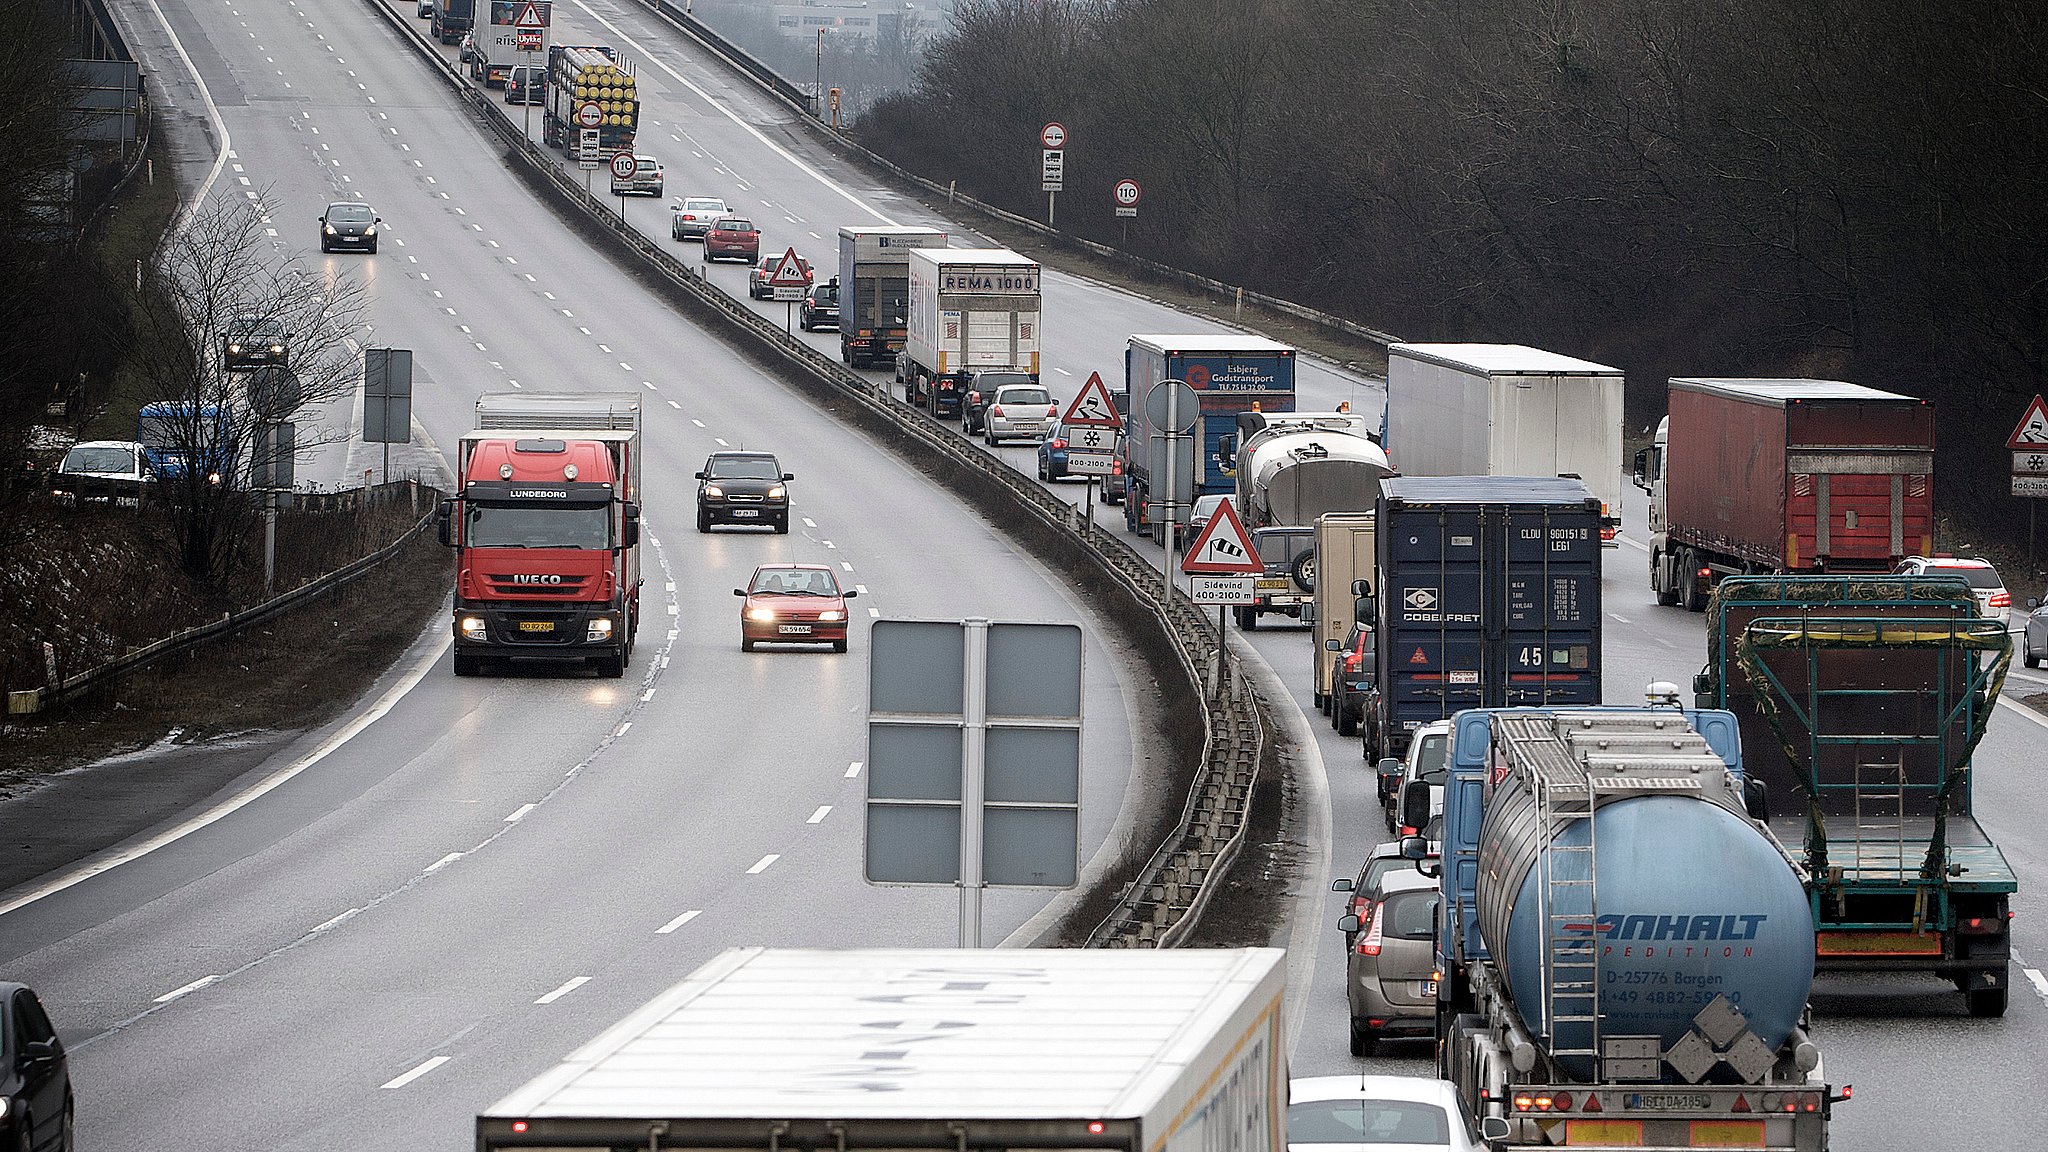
(806, 106)
(1161, 906)
(35, 700)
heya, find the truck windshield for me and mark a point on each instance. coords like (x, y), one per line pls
(1367, 1122)
(537, 526)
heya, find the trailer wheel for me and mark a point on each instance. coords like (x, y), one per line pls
(1688, 582)
(1987, 1003)
(467, 665)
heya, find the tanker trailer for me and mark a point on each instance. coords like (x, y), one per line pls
(1292, 467)
(1625, 954)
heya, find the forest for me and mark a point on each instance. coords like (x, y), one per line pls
(1847, 189)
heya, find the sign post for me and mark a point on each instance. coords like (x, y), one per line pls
(1222, 555)
(530, 32)
(1053, 175)
(2029, 445)
(1092, 452)
(1171, 410)
(624, 165)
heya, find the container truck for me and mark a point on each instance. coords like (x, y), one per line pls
(1294, 466)
(972, 310)
(874, 291)
(498, 48)
(780, 1050)
(580, 74)
(1860, 700)
(1230, 373)
(1625, 955)
(1343, 575)
(1489, 596)
(451, 19)
(546, 528)
(1506, 410)
(1769, 476)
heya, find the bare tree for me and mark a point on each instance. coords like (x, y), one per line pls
(217, 282)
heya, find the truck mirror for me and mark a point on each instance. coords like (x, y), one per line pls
(1365, 609)
(1347, 924)
(1389, 766)
(1414, 804)
(1361, 588)
(1414, 848)
(444, 523)
(1341, 884)
(1226, 451)
(1702, 684)
(1643, 469)
(1333, 645)
(1493, 1129)
(1756, 799)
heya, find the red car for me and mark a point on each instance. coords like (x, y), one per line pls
(757, 280)
(793, 604)
(732, 238)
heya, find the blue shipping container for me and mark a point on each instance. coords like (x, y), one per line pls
(1489, 597)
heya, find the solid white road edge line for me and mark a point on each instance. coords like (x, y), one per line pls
(202, 982)
(568, 986)
(678, 922)
(2022, 709)
(401, 1081)
(108, 861)
(220, 126)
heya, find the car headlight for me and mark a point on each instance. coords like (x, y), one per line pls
(473, 628)
(327, 228)
(236, 348)
(277, 347)
(832, 615)
(714, 491)
(761, 615)
(370, 231)
(599, 630)
(775, 493)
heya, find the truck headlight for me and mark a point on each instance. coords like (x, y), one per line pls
(600, 629)
(761, 615)
(473, 628)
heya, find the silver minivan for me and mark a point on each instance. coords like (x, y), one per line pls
(1390, 969)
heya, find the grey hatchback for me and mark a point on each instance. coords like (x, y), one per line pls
(1390, 971)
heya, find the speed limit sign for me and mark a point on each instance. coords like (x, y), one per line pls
(1126, 196)
(624, 164)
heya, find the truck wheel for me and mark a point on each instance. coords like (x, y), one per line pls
(1322, 700)
(1689, 582)
(1986, 1003)
(467, 665)
(1347, 724)
(1362, 1039)
(611, 667)
(1666, 595)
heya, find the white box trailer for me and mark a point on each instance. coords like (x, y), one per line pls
(971, 310)
(1506, 410)
(893, 1049)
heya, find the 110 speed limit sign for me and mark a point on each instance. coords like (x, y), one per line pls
(1126, 195)
(624, 164)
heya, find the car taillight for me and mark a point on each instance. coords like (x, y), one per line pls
(996, 410)
(1051, 411)
(1351, 662)
(1369, 944)
(2001, 599)
(1361, 907)
(1056, 444)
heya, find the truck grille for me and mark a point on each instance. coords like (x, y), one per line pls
(508, 584)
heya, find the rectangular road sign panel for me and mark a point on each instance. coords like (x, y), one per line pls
(387, 395)
(2030, 463)
(1222, 590)
(947, 765)
(1053, 175)
(1089, 462)
(2030, 485)
(789, 292)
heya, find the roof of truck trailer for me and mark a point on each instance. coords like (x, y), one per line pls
(1485, 489)
(1211, 342)
(899, 1033)
(973, 256)
(1493, 358)
(1779, 391)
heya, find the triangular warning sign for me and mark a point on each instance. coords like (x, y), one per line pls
(2033, 429)
(530, 17)
(1224, 548)
(1420, 657)
(1093, 408)
(789, 273)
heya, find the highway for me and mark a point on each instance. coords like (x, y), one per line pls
(467, 888)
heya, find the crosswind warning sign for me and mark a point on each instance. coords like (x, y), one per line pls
(1224, 548)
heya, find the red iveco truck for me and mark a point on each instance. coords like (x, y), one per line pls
(1761, 477)
(546, 529)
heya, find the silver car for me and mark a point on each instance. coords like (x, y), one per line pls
(2034, 646)
(1390, 969)
(1019, 412)
(690, 218)
(646, 179)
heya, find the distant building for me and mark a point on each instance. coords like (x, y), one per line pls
(862, 19)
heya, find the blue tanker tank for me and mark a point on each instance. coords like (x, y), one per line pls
(1693, 901)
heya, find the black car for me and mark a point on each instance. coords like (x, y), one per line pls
(743, 488)
(523, 84)
(347, 224)
(820, 308)
(980, 392)
(251, 341)
(1353, 705)
(35, 1084)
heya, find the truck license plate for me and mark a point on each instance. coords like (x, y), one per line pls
(536, 625)
(1670, 1101)
(795, 629)
(737, 512)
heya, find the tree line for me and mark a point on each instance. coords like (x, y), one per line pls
(1838, 188)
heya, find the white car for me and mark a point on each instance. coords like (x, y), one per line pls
(1377, 1114)
(1993, 601)
(112, 470)
(690, 218)
(1019, 412)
